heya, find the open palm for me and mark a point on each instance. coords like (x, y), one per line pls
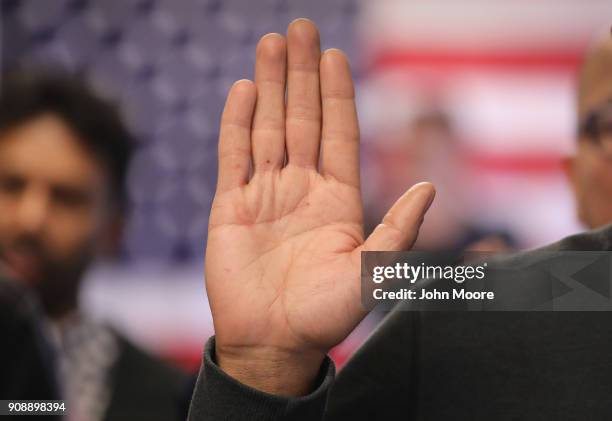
(286, 231)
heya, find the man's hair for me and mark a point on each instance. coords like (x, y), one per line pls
(95, 121)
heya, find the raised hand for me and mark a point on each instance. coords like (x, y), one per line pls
(286, 229)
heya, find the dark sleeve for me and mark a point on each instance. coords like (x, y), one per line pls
(218, 396)
(380, 381)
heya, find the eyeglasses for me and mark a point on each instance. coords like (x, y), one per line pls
(597, 127)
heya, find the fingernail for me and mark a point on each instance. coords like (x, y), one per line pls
(431, 191)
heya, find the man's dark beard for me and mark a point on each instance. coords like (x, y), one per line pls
(58, 286)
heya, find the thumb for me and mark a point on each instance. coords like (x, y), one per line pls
(400, 226)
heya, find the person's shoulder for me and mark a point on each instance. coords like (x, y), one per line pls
(138, 377)
(134, 359)
(599, 239)
(403, 319)
(26, 357)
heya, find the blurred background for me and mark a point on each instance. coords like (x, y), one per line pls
(475, 96)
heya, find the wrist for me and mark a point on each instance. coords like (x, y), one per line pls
(270, 369)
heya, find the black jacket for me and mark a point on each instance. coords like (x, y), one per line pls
(143, 387)
(26, 369)
(449, 366)
(146, 388)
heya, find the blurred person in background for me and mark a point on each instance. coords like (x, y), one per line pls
(590, 169)
(427, 148)
(64, 154)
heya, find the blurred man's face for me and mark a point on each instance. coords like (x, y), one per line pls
(591, 176)
(53, 207)
(590, 173)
